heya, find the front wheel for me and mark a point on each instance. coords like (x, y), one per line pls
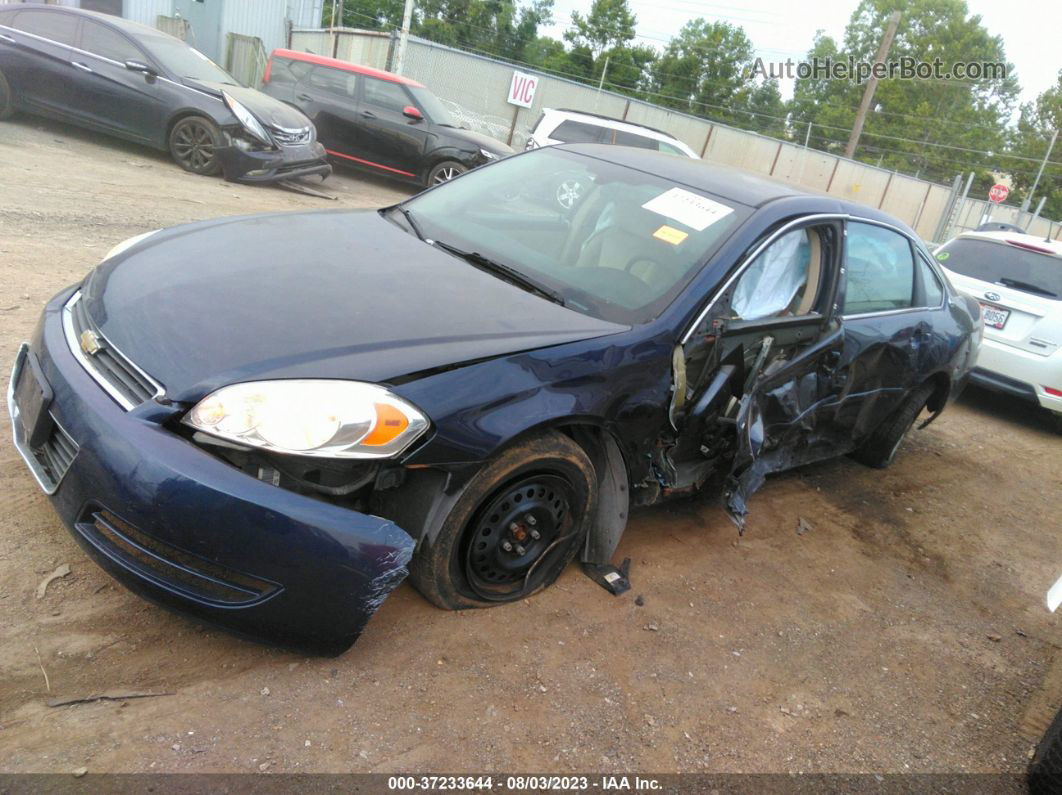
(194, 144)
(445, 171)
(880, 449)
(520, 521)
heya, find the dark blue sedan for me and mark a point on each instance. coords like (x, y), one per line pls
(269, 421)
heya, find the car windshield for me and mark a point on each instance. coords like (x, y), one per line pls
(610, 241)
(432, 107)
(186, 62)
(1004, 263)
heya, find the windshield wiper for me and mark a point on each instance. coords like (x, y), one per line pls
(1029, 288)
(506, 272)
(408, 215)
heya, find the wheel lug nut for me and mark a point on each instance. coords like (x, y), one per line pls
(513, 527)
(531, 520)
(520, 550)
(507, 546)
(536, 535)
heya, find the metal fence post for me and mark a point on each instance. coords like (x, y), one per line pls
(885, 191)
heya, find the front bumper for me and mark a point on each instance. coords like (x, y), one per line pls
(1013, 371)
(285, 162)
(190, 532)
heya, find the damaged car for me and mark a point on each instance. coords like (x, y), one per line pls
(268, 421)
(130, 81)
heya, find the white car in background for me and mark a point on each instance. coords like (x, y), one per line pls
(563, 126)
(1017, 278)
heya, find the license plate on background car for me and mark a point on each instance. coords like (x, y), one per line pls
(995, 317)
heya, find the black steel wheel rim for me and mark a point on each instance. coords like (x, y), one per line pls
(516, 534)
(193, 145)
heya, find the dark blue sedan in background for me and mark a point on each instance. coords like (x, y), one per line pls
(130, 81)
(268, 421)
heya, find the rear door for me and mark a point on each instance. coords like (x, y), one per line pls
(760, 368)
(112, 97)
(391, 141)
(38, 58)
(895, 333)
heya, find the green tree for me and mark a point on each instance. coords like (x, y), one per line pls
(930, 127)
(500, 27)
(1028, 144)
(609, 24)
(704, 69)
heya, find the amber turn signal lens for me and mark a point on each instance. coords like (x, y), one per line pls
(390, 422)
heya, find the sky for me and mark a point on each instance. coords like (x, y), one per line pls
(781, 29)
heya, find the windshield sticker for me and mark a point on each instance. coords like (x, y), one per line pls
(670, 234)
(943, 255)
(696, 212)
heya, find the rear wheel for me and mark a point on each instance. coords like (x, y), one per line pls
(880, 449)
(445, 171)
(194, 144)
(7, 100)
(520, 521)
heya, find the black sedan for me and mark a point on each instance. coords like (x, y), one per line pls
(134, 82)
(269, 421)
(378, 121)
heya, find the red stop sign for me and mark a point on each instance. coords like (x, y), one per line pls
(998, 193)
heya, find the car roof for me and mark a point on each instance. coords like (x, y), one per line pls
(125, 25)
(346, 66)
(1033, 242)
(732, 183)
(609, 122)
(602, 117)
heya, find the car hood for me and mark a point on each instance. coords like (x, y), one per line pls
(267, 109)
(332, 294)
(476, 139)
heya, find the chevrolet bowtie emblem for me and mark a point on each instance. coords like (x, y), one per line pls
(90, 342)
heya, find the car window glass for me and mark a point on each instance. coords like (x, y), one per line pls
(879, 270)
(576, 132)
(288, 72)
(777, 283)
(53, 25)
(334, 81)
(624, 138)
(385, 94)
(671, 150)
(101, 40)
(615, 242)
(931, 286)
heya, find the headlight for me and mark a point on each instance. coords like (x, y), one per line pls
(247, 119)
(488, 155)
(328, 419)
(127, 244)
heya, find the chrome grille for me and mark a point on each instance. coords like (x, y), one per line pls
(286, 137)
(123, 380)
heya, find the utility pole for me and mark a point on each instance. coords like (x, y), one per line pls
(604, 71)
(1040, 173)
(403, 36)
(872, 84)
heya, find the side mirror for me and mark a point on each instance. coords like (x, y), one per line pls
(411, 112)
(140, 66)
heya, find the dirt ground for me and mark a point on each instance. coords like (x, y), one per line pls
(905, 631)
